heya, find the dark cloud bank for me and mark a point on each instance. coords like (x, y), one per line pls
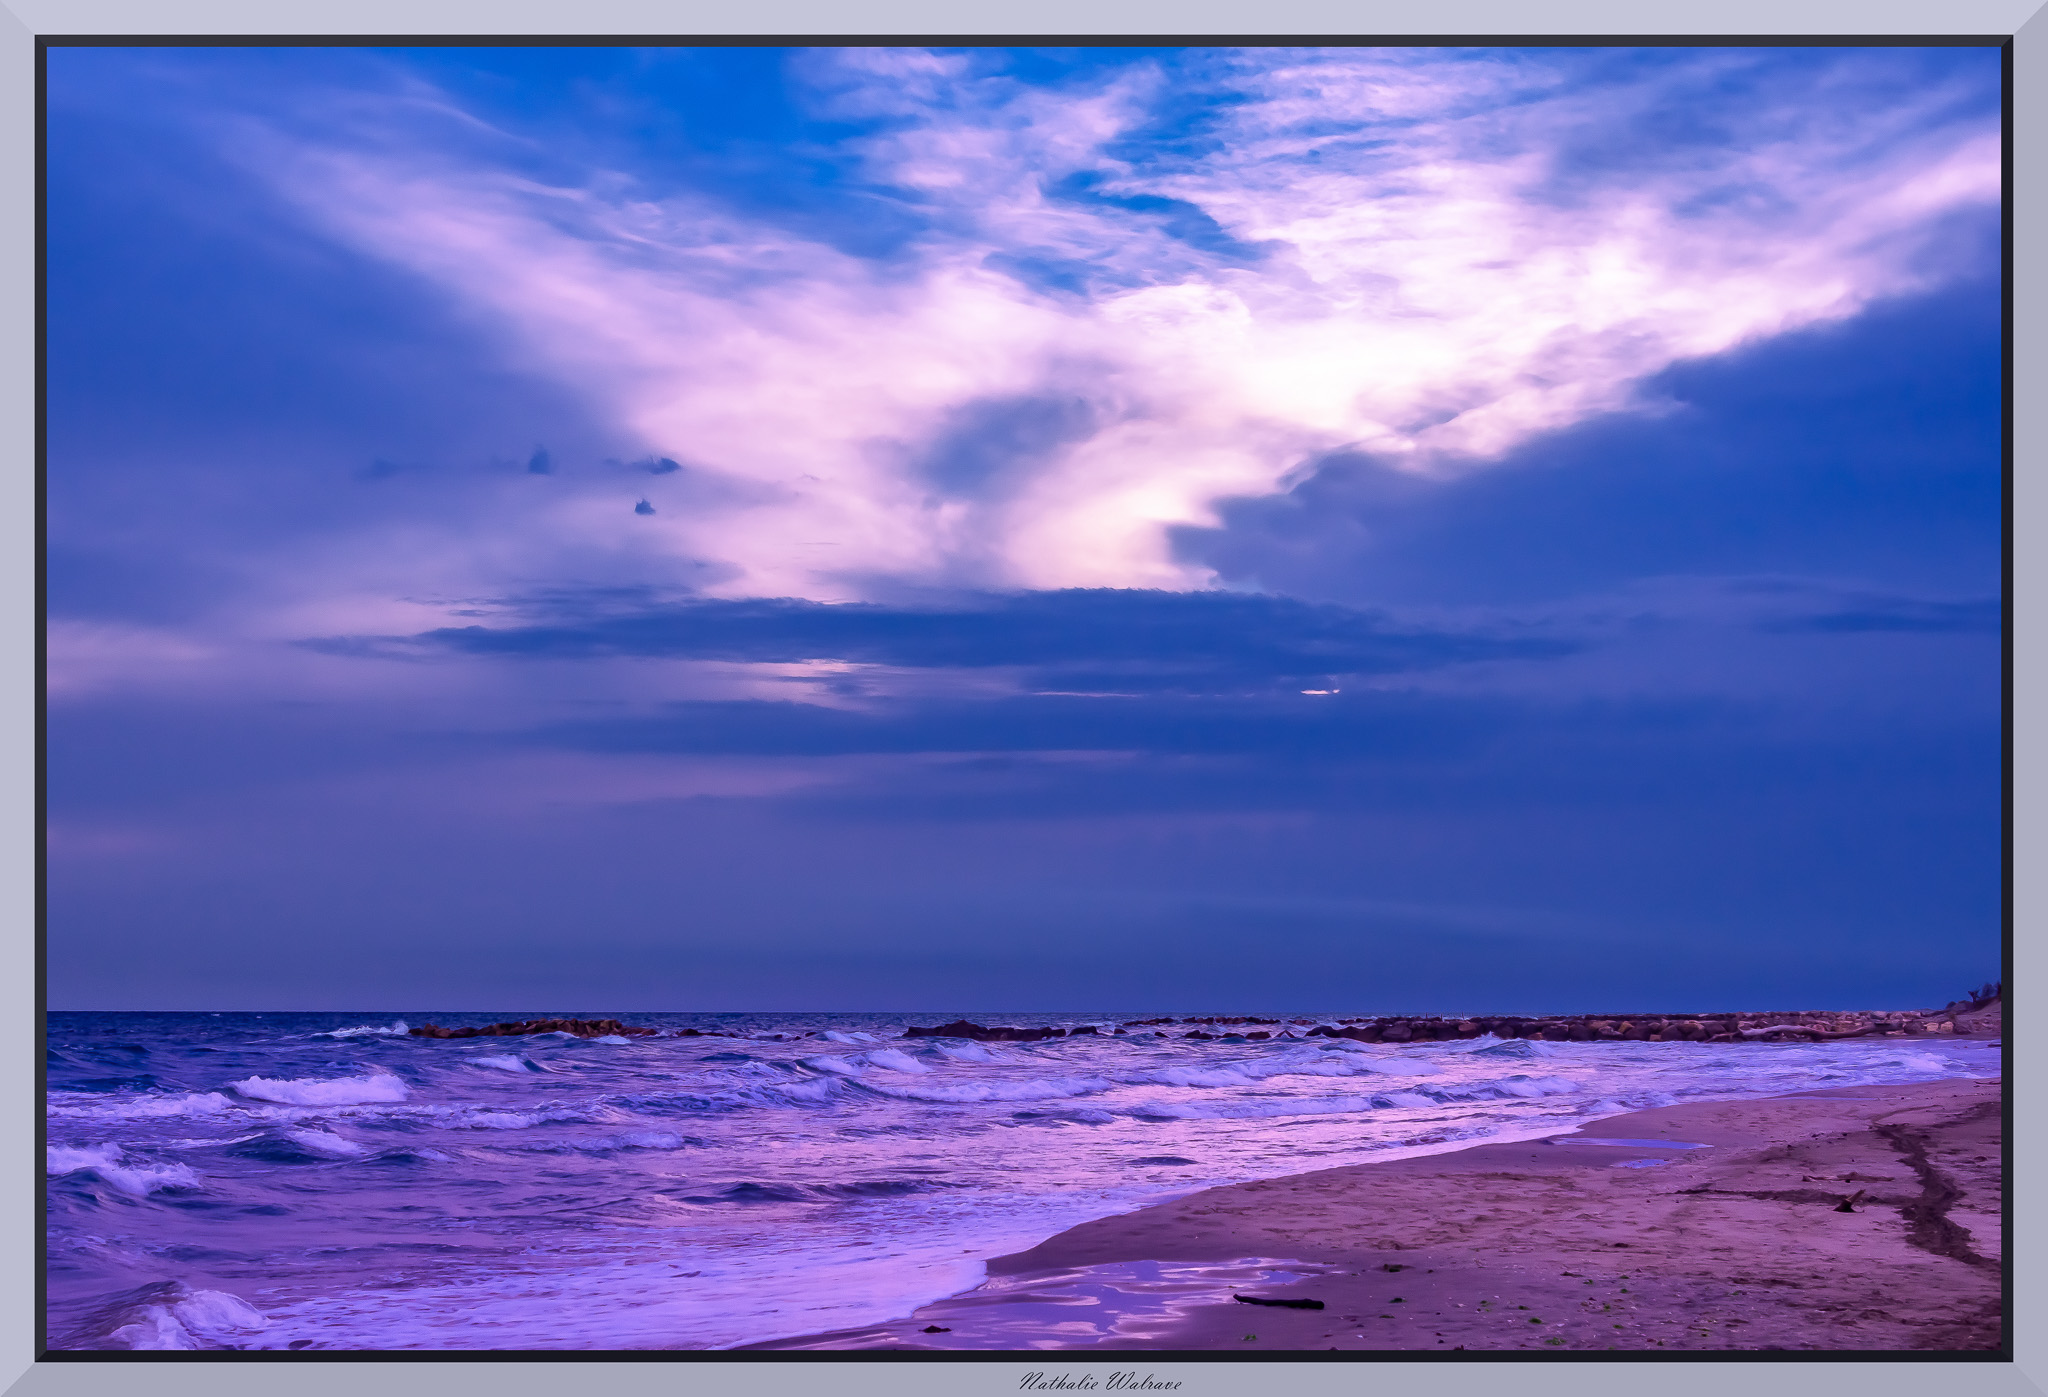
(1108, 638)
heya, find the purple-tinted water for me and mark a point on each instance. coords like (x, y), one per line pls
(325, 1181)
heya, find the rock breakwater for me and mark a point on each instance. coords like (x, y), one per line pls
(581, 1028)
(1801, 1026)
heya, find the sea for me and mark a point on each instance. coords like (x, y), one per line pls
(327, 1182)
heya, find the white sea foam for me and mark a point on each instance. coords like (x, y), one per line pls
(205, 1103)
(1028, 1089)
(1256, 1109)
(327, 1143)
(396, 1029)
(755, 1069)
(176, 1317)
(893, 1061)
(837, 1065)
(58, 1159)
(1190, 1077)
(1321, 1065)
(110, 1164)
(612, 1038)
(818, 1089)
(1510, 1047)
(319, 1091)
(145, 1179)
(503, 1062)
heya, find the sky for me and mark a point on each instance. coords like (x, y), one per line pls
(1202, 530)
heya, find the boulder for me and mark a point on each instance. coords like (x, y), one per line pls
(1357, 1033)
(581, 1028)
(961, 1028)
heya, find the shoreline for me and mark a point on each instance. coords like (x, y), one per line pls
(1706, 1226)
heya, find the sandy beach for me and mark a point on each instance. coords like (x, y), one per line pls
(1697, 1227)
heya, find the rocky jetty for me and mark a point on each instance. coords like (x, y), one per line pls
(1792, 1026)
(581, 1028)
(1980, 1015)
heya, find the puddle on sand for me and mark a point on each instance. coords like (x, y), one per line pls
(1132, 1300)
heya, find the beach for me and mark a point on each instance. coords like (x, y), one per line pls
(254, 1181)
(1705, 1226)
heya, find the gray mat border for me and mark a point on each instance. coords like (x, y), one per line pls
(21, 20)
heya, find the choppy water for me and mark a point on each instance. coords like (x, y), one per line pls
(324, 1181)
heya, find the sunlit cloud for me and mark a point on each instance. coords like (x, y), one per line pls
(1102, 330)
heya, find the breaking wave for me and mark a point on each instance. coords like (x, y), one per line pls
(309, 1091)
(512, 1185)
(110, 1165)
(169, 1316)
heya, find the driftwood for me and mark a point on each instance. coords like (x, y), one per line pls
(1288, 1304)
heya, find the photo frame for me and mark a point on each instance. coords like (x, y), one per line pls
(869, 1371)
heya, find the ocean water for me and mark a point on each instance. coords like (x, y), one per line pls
(323, 1181)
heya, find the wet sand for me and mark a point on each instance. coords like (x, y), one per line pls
(1613, 1237)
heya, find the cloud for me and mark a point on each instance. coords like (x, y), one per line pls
(1076, 640)
(1145, 288)
(1867, 451)
(975, 346)
(1983, 616)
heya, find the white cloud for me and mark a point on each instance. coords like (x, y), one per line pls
(1408, 252)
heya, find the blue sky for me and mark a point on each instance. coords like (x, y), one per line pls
(976, 529)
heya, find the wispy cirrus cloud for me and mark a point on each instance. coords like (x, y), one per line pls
(1139, 290)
